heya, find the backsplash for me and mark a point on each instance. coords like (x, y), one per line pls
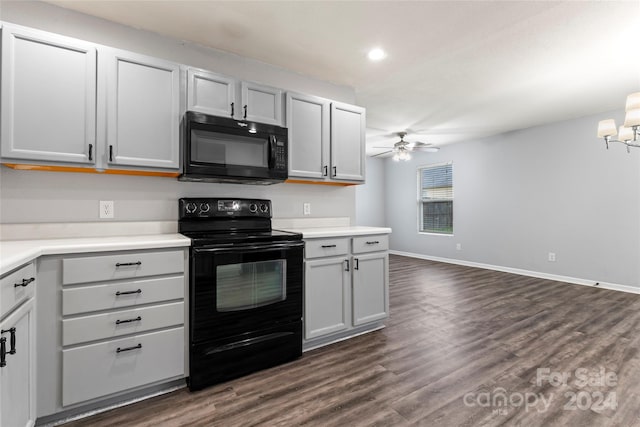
(44, 197)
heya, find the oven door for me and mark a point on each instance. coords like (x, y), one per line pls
(241, 289)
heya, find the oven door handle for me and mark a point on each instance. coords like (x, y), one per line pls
(250, 247)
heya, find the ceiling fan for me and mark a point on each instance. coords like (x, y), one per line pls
(402, 148)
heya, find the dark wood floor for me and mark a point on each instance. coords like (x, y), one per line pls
(462, 348)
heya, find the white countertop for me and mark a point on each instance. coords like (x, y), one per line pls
(14, 253)
(314, 232)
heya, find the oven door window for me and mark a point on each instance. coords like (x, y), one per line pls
(249, 285)
(228, 149)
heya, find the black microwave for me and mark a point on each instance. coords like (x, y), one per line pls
(221, 149)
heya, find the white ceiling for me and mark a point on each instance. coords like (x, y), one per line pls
(454, 71)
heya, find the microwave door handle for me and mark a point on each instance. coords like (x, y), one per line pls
(272, 151)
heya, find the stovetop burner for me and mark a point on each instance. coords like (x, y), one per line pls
(207, 238)
(214, 221)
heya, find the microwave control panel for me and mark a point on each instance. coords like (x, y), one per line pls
(280, 156)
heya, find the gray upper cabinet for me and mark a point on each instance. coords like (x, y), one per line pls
(220, 95)
(308, 123)
(347, 142)
(140, 107)
(261, 104)
(48, 97)
(210, 93)
(326, 139)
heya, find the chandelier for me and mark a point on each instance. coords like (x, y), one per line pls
(627, 133)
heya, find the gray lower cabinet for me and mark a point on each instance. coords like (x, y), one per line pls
(327, 297)
(17, 343)
(110, 323)
(48, 107)
(346, 289)
(326, 139)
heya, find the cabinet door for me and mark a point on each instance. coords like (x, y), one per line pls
(142, 119)
(48, 97)
(261, 104)
(347, 142)
(17, 387)
(326, 297)
(211, 93)
(308, 124)
(370, 287)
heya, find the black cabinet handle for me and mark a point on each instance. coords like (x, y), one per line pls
(347, 261)
(233, 108)
(335, 170)
(120, 350)
(375, 242)
(139, 291)
(128, 264)
(325, 170)
(245, 112)
(90, 151)
(3, 352)
(356, 265)
(137, 319)
(111, 153)
(12, 339)
(328, 246)
(24, 282)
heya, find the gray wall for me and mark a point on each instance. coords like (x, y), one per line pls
(28, 196)
(370, 197)
(520, 195)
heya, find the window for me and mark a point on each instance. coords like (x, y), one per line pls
(435, 204)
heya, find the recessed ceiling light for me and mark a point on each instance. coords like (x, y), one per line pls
(376, 54)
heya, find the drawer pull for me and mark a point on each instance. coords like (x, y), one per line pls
(137, 319)
(120, 350)
(139, 291)
(128, 264)
(12, 331)
(3, 352)
(328, 246)
(375, 242)
(24, 282)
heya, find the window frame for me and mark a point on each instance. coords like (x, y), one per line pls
(420, 214)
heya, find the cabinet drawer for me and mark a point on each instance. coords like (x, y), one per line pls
(10, 294)
(316, 248)
(121, 294)
(99, 369)
(378, 242)
(124, 322)
(123, 266)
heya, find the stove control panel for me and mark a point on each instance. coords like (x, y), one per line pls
(227, 207)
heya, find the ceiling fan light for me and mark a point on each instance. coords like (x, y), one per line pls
(633, 102)
(607, 128)
(396, 157)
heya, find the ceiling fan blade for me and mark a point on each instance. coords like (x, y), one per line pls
(384, 152)
(426, 149)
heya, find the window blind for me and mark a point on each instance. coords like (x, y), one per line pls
(436, 199)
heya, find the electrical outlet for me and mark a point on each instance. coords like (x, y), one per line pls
(106, 209)
(306, 208)
(552, 257)
(458, 246)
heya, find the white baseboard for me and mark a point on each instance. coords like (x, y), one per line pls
(537, 274)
